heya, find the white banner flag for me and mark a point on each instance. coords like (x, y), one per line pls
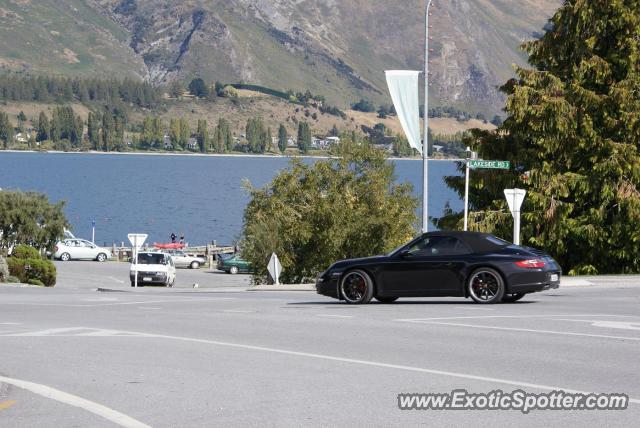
(403, 86)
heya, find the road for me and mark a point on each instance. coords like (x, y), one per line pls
(221, 356)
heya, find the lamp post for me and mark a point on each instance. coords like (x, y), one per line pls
(425, 141)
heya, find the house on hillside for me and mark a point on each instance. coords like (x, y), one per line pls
(192, 144)
(332, 140)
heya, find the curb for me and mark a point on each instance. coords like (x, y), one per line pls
(290, 287)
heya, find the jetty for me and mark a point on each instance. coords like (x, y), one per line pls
(209, 252)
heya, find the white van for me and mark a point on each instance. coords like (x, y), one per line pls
(154, 267)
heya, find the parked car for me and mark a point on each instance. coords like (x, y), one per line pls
(154, 267)
(461, 264)
(80, 249)
(233, 264)
(183, 260)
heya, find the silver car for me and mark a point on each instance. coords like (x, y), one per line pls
(80, 249)
(183, 260)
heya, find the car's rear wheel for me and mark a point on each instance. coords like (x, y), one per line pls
(194, 265)
(356, 287)
(486, 286)
(65, 257)
(101, 257)
(386, 299)
(510, 298)
(233, 270)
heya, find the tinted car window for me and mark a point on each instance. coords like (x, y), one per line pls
(150, 259)
(438, 246)
(496, 240)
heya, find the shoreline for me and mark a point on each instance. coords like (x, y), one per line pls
(190, 154)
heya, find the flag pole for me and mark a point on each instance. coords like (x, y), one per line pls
(425, 143)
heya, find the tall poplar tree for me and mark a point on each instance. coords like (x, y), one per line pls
(572, 134)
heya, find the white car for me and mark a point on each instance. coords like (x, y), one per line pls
(79, 249)
(182, 259)
(154, 267)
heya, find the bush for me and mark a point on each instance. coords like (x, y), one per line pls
(34, 281)
(27, 270)
(25, 252)
(12, 280)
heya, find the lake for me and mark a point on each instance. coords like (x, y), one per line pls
(200, 197)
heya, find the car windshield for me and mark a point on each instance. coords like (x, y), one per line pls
(150, 259)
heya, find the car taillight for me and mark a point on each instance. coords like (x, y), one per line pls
(531, 264)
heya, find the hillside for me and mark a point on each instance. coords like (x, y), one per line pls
(338, 48)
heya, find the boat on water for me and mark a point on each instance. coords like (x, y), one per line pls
(169, 245)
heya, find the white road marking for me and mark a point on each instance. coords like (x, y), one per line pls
(521, 384)
(531, 330)
(150, 308)
(334, 316)
(10, 323)
(239, 311)
(609, 324)
(421, 320)
(114, 279)
(475, 309)
(141, 302)
(75, 401)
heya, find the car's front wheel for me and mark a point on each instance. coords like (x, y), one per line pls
(510, 298)
(486, 286)
(233, 270)
(194, 265)
(65, 257)
(356, 287)
(102, 257)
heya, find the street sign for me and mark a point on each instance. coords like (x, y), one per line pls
(275, 268)
(489, 164)
(515, 197)
(137, 239)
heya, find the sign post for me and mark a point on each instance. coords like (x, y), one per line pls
(136, 239)
(93, 231)
(474, 163)
(515, 197)
(275, 268)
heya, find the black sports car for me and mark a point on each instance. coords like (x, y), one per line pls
(461, 264)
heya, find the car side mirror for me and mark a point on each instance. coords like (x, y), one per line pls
(405, 254)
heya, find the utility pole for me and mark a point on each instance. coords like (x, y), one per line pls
(425, 143)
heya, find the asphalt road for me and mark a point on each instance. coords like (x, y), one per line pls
(220, 356)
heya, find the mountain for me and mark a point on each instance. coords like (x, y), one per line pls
(337, 48)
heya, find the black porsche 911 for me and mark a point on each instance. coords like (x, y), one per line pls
(455, 264)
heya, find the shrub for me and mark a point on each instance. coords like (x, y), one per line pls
(27, 270)
(25, 252)
(12, 280)
(34, 281)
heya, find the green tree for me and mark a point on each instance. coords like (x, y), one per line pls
(29, 218)
(147, 138)
(94, 126)
(185, 132)
(314, 214)
(174, 132)
(6, 130)
(42, 127)
(158, 133)
(283, 138)
(202, 136)
(198, 88)
(572, 134)
(304, 137)
(222, 136)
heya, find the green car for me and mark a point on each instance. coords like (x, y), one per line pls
(232, 263)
